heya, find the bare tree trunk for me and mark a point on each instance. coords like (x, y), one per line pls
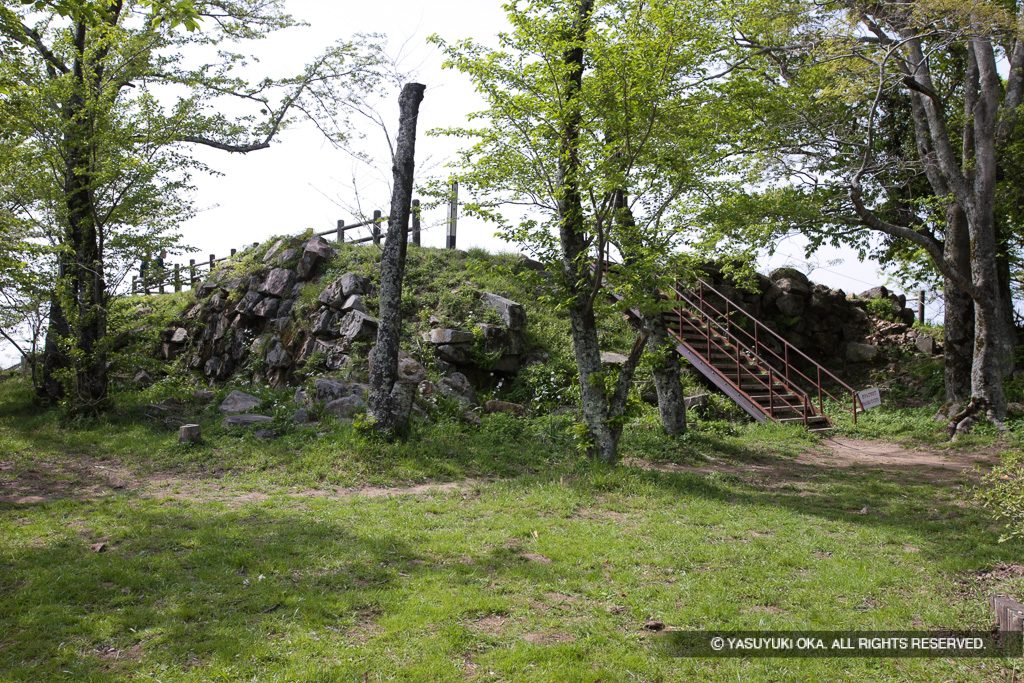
(958, 326)
(390, 401)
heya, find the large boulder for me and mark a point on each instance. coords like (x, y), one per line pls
(860, 353)
(278, 356)
(456, 385)
(327, 389)
(339, 293)
(266, 308)
(791, 305)
(357, 326)
(247, 306)
(239, 402)
(326, 325)
(346, 406)
(315, 252)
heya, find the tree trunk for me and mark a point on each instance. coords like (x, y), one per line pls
(390, 400)
(958, 326)
(576, 267)
(668, 380)
(54, 358)
(667, 376)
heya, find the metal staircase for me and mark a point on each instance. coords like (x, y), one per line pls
(765, 375)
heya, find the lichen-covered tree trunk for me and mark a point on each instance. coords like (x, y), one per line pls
(958, 325)
(390, 400)
(668, 379)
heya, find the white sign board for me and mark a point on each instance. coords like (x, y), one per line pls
(870, 398)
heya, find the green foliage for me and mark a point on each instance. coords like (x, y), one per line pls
(883, 309)
(1001, 491)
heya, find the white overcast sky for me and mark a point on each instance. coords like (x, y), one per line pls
(302, 182)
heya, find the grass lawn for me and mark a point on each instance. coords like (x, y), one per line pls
(127, 557)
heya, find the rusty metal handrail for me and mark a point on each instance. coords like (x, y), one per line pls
(788, 366)
(751, 357)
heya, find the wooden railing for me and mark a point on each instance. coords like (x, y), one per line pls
(177, 276)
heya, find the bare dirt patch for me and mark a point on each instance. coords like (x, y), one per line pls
(83, 478)
(850, 456)
(548, 638)
(493, 625)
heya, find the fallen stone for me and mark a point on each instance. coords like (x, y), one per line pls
(279, 283)
(239, 402)
(190, 434)
(301, 417)
(512, 314)
(346, 406)
(204, 396)
(180, 336)
(327, 389)
(439, 336)
(494, 406)
(859, 353)
(245, 420)
(287, 255)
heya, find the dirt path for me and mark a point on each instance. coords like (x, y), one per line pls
(84, 478)
(937, 466)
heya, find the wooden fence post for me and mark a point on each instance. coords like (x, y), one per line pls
(341, 231)
(416, 222)
(376, 228)
(453, 215)
(135, 285)
(233, 251)
(212, 259)
(920, 307)
(177, 278)
(192, 272)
